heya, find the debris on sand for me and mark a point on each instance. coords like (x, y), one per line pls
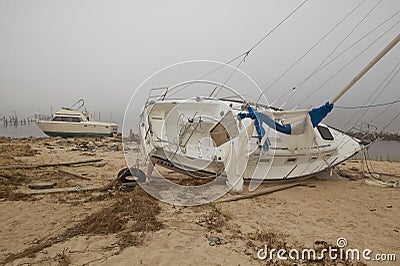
(130, 217)
(214, 220)
(213, 241)
(8, 152)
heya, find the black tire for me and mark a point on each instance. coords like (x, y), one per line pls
(134, 172)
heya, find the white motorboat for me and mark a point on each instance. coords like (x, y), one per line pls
(69, 122)
(204, 136)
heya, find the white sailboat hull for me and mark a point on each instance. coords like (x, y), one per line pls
(177, 135)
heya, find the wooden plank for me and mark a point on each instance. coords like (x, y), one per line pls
(73, 174)
(259, 193)
(49, 164)
(64, 189)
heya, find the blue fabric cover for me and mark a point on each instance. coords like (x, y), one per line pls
(318, 114)
(259, 119)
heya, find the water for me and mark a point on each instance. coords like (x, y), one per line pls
(383, 150)
(386, 150)
(31, 130)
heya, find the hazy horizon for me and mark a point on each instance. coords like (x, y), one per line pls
(53, 53)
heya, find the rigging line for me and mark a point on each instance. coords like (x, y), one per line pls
(366, 35)
(228, 78)
(391, 121)
(280, 23)
(336, 57)
(367, 106)
(337, 47)
(340, 70)
(245, 54)
(380, 85)
(375, 98)
(209, 73)
(259, 42)
(383, 111)
(301, 84)
(307, 52)
(382, 90)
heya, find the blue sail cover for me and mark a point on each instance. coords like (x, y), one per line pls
(316, 116)
(259, 119)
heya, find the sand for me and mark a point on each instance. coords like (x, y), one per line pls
(54, 229)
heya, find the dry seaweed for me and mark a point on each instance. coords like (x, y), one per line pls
(131, 213)
(214, 220)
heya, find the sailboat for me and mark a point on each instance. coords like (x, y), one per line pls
(205, 137)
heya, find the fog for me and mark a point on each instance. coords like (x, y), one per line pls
(53, 53)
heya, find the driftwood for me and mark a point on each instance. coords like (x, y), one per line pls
(381, 183)
(64, 189)
(42, 185)
(49, 164)
(386, 174)
(5, 176)
(73, 174)
(259, 193)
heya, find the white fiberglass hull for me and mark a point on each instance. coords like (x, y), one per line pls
(178, 135)
(70, 129)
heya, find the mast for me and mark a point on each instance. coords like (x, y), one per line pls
(366, 68)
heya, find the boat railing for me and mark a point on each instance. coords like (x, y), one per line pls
(42, 117)
(156, 94)
(81, 103)
(365, 131)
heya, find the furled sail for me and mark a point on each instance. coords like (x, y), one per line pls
(296, 123)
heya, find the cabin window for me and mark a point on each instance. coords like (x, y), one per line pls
(67, 119)
(325, 133)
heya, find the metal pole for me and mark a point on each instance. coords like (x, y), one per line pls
(367, 68)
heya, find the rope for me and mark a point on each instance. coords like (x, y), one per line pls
(344, 51)
(259, 42)
(378, 115)
(280, 23)
(301, 84)
(344, 143)
(209, 73)
(362, 38)
(245, 54)
(367, 106)
(308, 51)
(341, 69)
(228, 78)
(391, 121)
(379, 94)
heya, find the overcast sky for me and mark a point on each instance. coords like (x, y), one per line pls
(54, 52)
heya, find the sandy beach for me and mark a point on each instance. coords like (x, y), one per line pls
(105, 226)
